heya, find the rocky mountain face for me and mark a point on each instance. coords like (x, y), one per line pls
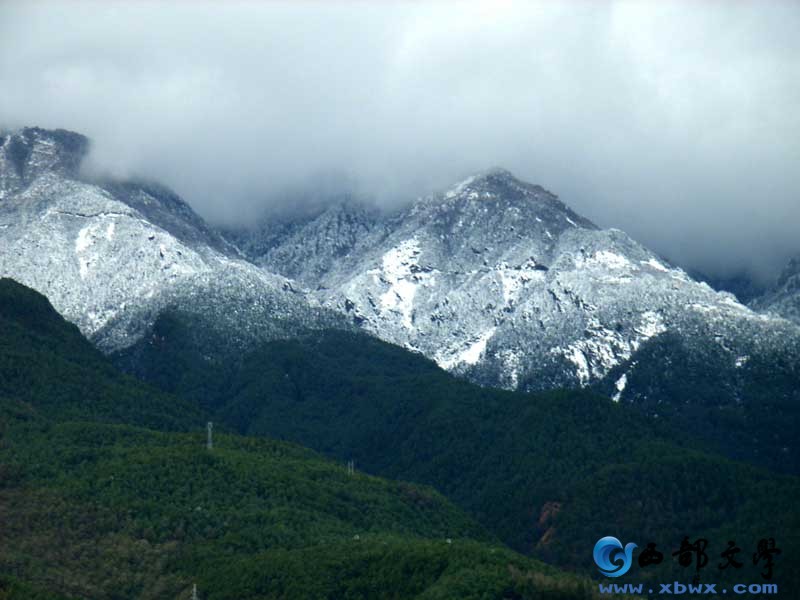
(784, 298)
(111, 256)
(500, 281)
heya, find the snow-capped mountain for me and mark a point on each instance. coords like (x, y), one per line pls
(784, 298)
(499, 280)
(495, 279)
(111, 256)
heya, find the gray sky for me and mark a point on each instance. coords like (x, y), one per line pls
(678, 122)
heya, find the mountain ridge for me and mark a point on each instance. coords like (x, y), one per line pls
(506, 254)
(112, 255)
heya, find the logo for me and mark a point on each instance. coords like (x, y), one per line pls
(611, 558)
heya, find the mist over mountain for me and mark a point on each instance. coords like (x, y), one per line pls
(783, 298)
(111, 255)
(675, 122)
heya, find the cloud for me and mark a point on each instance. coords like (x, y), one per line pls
(678, 122)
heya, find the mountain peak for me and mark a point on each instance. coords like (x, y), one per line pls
(28, 152)
(495, 180)
(497, 173)
(496, 183)
(498, 191)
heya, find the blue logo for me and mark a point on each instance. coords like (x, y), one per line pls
(610, 557)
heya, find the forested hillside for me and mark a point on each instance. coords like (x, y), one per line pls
(548, 473)
(95, 505)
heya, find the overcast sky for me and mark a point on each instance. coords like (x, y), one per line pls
(678, 122)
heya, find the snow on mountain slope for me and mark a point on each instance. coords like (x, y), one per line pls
(497, 279)
(111, 256)
(308, 248)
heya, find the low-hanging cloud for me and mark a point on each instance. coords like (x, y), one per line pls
(678, 122)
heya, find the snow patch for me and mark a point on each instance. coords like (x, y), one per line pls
(650, 325)
(576, 356)
(612, 260)
(515, 279)
(470, 355)
(84, 239)
(399, 272)
(458, 188)
(620, 385)
(654, 264)
(473, 353)
(703, 308)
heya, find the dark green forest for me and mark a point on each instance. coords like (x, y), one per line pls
(548, 473)
(749, 413)
(108, 491)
